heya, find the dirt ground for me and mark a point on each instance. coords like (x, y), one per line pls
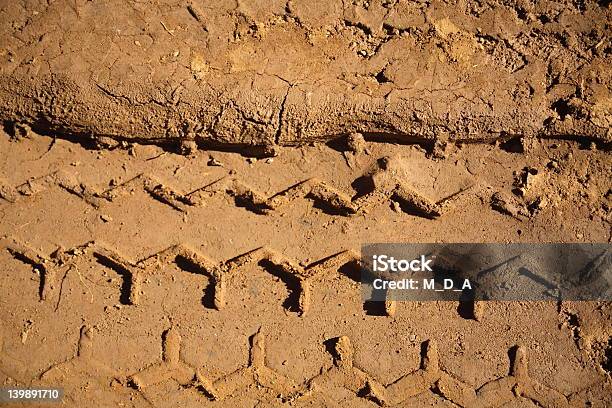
(185, 187)
(286, 72)
(107, 260)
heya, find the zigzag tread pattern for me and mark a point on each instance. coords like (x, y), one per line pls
(296, 277)
(346, 264)
(342, 371)
(387, 186)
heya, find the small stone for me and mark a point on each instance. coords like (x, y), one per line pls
(214, 162)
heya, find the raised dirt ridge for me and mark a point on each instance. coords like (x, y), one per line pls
(264, 73)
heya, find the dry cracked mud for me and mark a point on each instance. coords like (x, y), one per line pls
(265, 73)
(185, 187)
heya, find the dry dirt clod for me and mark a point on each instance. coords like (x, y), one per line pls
(506, 204)
(526, 180)
(538, 204)
(20, 131)
(396, 207)
(188, 147)
(356, 143)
